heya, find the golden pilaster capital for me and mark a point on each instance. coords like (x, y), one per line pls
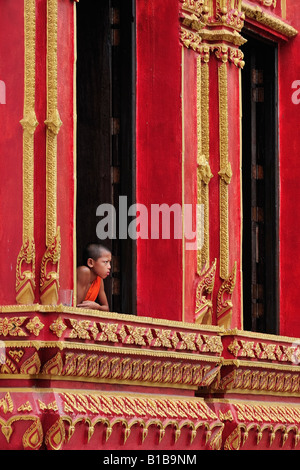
(213, 26)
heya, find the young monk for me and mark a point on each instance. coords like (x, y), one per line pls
(90, 287)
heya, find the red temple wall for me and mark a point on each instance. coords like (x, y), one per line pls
(11, 72)
(190, 174)
(289, 71)
(214, 378)
(234, 191)
(66, 160)
(158, 153)
(162, 287)
(40, 136)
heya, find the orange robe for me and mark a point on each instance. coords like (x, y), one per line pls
(93, 291)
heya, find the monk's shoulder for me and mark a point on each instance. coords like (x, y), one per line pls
(83, 274)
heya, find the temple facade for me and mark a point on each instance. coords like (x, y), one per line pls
(166, 130)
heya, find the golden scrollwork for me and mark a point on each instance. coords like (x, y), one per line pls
(129, 370)
(224, 299)
(204, 291)
(284, 380)
(35, 326)
(32, 437)
(194, 13)
(116, 333)
(49, 283)
(12, 326)
(267, 419)
(49, 277)
(179, 414)
(25, 270)
(204, 173)
(225, 172)
(261, 350)
(229, 13)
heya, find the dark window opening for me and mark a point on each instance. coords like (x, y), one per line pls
(105, 133)
(260, 186)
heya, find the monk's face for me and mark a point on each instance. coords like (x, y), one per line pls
(102, 265)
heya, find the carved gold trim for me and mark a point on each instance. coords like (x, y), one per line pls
(283, 9)
(225, 172)
(25, 270)
(130, 412)
(49, 289)
(266, 380)
(121, 350)
(104, 364)
(223, 35)
(204, 292)
(204, 173)
(276, 24)
(224, 300)
(258, 417)
(260, 336)
(268, 3)
(227, 13)
(261, 350)
(12, 309)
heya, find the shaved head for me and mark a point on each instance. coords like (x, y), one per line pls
(94, 251)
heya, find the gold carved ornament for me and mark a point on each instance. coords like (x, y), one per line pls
(204, 173)
(49, 273)
(204, 292)
(264, 419)
(181, 415)
(262, 17)
(25, 269)
(32, 438)
(224, 300)
(131, 410)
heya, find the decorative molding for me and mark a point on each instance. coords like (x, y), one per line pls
(219, 35)
(204, 292)
(107, 316)
(261, 350)
(263, 378)
(274, 23)
(49, 281)
(225, 172)
(204, 173)
(105, 415)
(269, 423)
(203, 27)
(159, 412)
(222, 51)
(25, 270)
(137, 336)
(194, 13)
(224, 300)
(58, 419)
(106, 364)
(228, 13)
(129, 370)
(268, 3)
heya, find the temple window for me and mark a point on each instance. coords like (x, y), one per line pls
(105, 132)
(260, 185)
